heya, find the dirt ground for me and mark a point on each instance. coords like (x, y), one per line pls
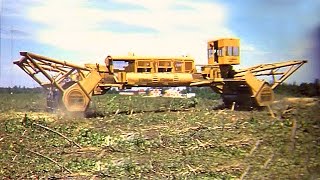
(137, 137)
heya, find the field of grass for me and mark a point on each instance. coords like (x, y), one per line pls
(158, 138)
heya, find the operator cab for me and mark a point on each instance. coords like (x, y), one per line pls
(224, 52)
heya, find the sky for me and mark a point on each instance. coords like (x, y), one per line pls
(86, 31)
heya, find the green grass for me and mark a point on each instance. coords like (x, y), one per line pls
(22, 101)
(159, 139)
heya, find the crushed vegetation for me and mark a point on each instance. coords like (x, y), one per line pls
(138, 137)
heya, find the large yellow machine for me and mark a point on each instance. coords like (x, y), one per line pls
(73, 85)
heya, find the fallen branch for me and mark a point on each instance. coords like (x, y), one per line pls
(268, 161)
(289, 109)
(293, 134)
(14, 158)
(56, 132)
(243, 175)
(204, 145)
(24, 132)
(48, 158)
(255, 147)
(193, 170)
(271, 112)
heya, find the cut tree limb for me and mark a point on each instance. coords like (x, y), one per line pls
(255, 147)
(117, 112)
(271, 112)
(58, 133)
(50, 159)
(243, 175)
(265, 165)
(293, 134)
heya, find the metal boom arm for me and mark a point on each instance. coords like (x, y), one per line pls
(278, 71)
(75, 83)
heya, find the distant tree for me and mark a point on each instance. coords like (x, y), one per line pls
(205, 92)
(308, 89)
(317, 87)
(288, 89)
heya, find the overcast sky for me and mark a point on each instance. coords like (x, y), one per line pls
(84, 31)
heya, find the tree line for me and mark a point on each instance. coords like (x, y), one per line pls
(20, 90)
(303, 89)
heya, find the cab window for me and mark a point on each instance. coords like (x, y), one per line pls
(235, 50)
(232, 51)
(229, 50)
(220, 52)
(210, 53)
